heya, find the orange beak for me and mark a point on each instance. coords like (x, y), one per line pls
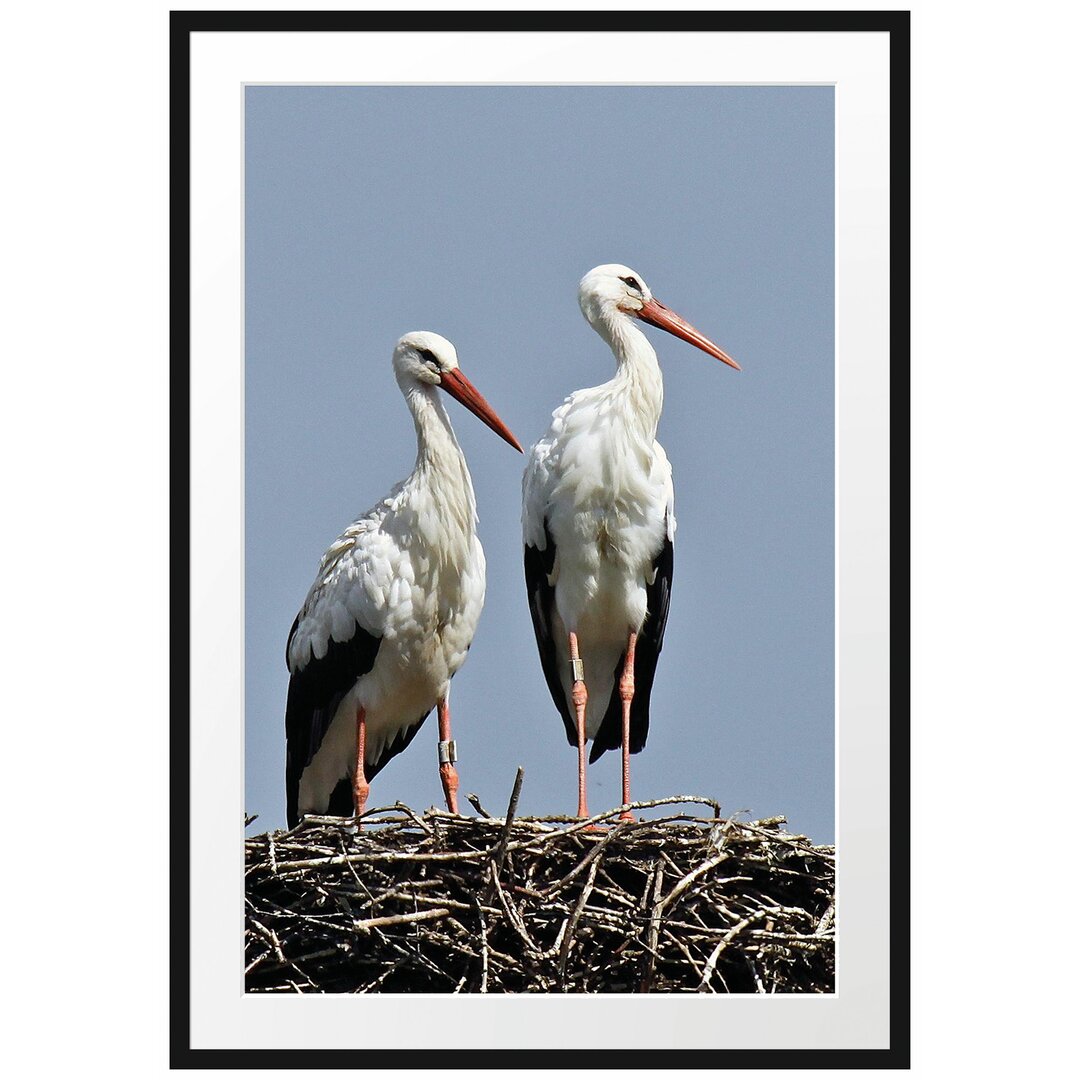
(459, 388)
(657, 314)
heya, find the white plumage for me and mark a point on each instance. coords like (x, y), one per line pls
(598, 523)
(394, 606)
(602, 484)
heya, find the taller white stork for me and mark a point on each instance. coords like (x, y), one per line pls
(599, 527)
(393, 608)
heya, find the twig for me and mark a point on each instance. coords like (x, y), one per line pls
(499, 855)
(398, 920)
(568, 936)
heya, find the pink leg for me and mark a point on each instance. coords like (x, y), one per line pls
(447, 757)
(360, 786)
(580, 696)
(626, 692)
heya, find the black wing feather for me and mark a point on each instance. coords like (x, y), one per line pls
(649, 643)
(538, 566)
(315, 692)
(394, 747)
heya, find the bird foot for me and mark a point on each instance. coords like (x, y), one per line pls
(360, 795)
(448, 775)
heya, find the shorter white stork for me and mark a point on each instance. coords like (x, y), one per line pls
(393, 608)
(598, 519)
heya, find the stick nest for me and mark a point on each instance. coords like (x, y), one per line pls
(445, 903)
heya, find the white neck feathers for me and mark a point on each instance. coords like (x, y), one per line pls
(440, 471)
(638, 375)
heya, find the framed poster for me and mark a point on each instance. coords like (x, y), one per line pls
(342, 178)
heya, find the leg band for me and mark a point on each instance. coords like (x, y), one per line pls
(447, 751)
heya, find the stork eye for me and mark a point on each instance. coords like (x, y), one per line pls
(430, 359)
(633, 283)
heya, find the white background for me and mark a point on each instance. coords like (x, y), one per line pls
(84, 430)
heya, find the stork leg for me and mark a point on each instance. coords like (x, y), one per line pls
(626, 692)
(360, 786)
(447, 757)
(580, 696)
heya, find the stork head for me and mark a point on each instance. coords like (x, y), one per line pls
(422, 357)
(613, 291)
(427, 359)
(612, 288)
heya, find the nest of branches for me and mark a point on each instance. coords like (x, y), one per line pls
(439, 902)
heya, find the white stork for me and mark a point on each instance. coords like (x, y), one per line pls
(599, 527)
(393, 608)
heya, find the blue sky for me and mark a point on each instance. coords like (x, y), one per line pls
(473, 212)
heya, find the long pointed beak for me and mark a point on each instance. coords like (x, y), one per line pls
(657, 314)
(459, 388)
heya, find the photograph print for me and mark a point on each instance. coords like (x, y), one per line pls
(539, 547)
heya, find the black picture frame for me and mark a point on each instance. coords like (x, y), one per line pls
(182, 25)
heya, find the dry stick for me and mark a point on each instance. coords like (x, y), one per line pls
(734, 932)
(271, 939)
(414, 816)
(592, 856)
(710, 967)
(445, 901)
(499, 855)
(681, 887)
(654, 928)
(256, 962)
(514, 916)
(754, 972)
(568, 937)
(647, 805)
(385, 856)
(790, 841)
(826, 920)
(368, 987)
(483, 949)
(681, 946)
